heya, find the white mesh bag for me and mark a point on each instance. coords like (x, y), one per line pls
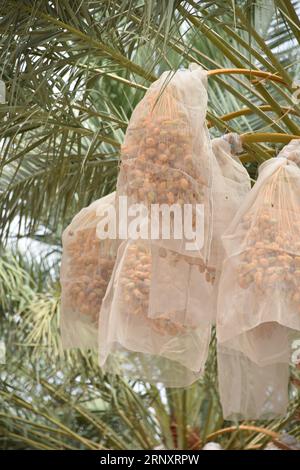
(86, 267)
(259, 303)
(155, 319)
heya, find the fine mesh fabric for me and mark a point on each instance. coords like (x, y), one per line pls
(155, 319)
(86, 267)
(259, 303)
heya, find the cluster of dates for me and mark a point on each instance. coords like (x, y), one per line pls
(160, 167)
(270, 258)
(136, 281)
(89, 271)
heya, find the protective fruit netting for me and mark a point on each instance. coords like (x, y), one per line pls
(158, 348)
(86, 267)
(259, 301)
(157, 311)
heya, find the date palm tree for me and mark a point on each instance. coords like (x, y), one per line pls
(73, 72)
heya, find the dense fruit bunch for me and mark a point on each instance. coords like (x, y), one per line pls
(89, 272)
(158, 159)
(136, 280)
(270, 259)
